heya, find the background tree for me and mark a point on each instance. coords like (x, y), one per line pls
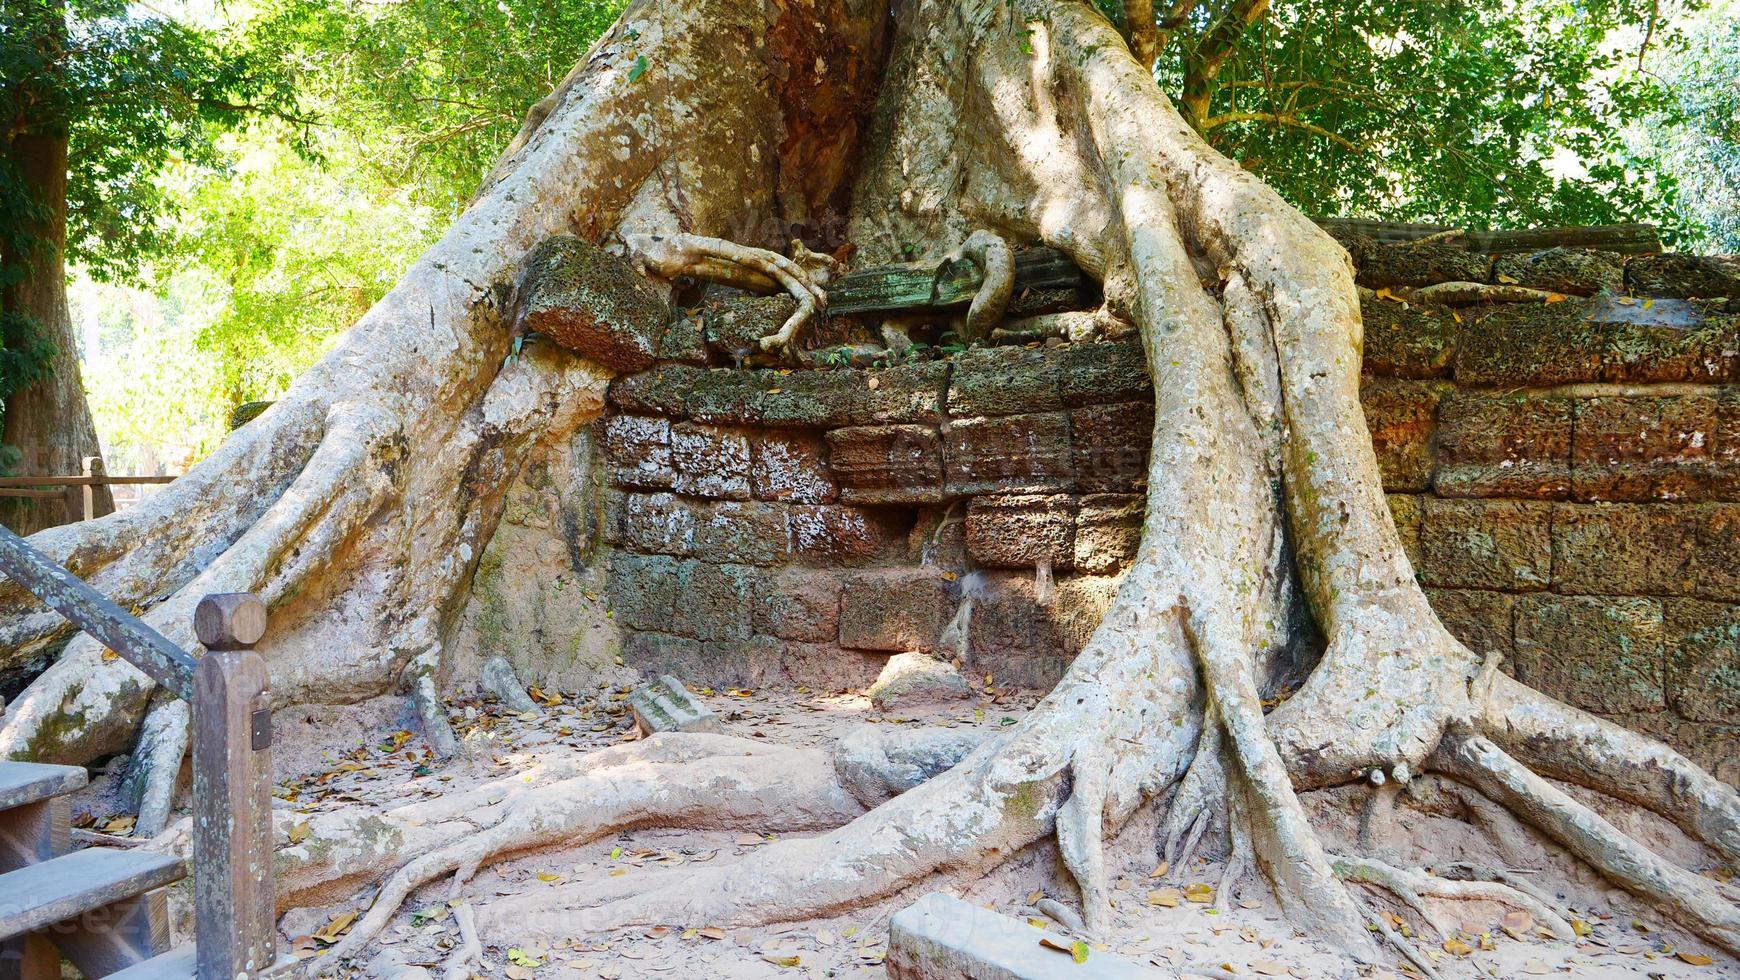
(95, 98)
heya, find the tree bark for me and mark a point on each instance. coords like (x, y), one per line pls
(48, 422)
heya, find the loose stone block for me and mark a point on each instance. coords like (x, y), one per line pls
(1020, 531)
(1098, 374)
(1003, 381)
(903, 395)
(943, 938)
(887, 464)
(1108, 530)
(639, 448)
(1483, 621)
(644, 590)
(713, 602)
(1574, 271)
(1618, 549)
(660, 391)
(710, 461)
(798, 604)
(667, 706)
(1600, 653)
(1408, 340)
(1012, 454)
(840, 534)
(1109, 446)
(1402, 416)
(894, 609)
(736, 326)
(1486, 544)
(791, 466)
(1676, 447)
(1703, 659)
(1503, 445)
(683, 342)
(596, 304)
(1420, 264)
(1684, 276)
(910, 679)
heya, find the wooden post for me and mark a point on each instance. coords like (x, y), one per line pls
(93, 468)
(235, 929)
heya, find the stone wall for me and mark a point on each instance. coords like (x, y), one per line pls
(1566, 475)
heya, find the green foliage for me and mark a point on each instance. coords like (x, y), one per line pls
(1489, 113)
(1696, 138)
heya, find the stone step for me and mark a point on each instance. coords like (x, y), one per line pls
(54, 891)
(940, 937)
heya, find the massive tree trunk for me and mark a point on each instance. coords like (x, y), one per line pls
(358, 505)
(47, 421)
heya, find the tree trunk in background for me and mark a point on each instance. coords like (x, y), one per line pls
(48, 422)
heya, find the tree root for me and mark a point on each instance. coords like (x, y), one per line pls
(458, 966)
(991, 254)
(1413, 887)
(717, 260)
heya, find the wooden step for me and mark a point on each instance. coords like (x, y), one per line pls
(55, 891)
(28, 782)
(177, 964)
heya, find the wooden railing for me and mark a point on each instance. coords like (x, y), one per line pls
(235, 929)
(79, 492)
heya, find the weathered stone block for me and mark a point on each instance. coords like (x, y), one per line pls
(1684, 276)
(1486, 544)
(1109, 446)
(807, 399)
(1713, 747)
(1407, 340)
(1714, 563)
(660, 391)
(1518, 344)
(943, 938)
(1708, 351)
(1082, 601)
(1654, 448)
(1482, 620)
(644, 590)
(710, 461)
(1601, 653)
(1012, 454)
(1008, 617)
(841, 534)
(1003, 381)
(894, 609)
(1574, 271)
(1402, 416)
(1503, 445)
(1619, 549)
(660, 653)
(911, 679)
(1420, 264)
(666, 705)
(1022, 530)
(736, 326)
(904, 395)
(798, 604)
(1703, 659)
(750, 533)
(886, 464)
(1098, 374)
(713, 603)
(639, 448)
(1108, 529)
(791, 466)
(683, 342)
(596, 304)
(1405, 509)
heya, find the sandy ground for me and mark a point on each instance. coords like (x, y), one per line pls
(331, 757)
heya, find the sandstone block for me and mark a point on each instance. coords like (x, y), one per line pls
(736, 326)
(1108, 529)
(1486, 544)
(841, 534)
(1573, 271)
(596, 304)
(713, 602)
(1600, 653)
(1003, 381)
(683, 342)
(644, 590)
(1098, 374)
(1703, 659)
(798, 604)
(666, 705)
(1618, 549)
(1012, 454)
(1684, 276)
(879, 464)
(806, 399)
(1519, 344)
(1022, 530)
(1402, 416)
(660, 391)
(1419, 264)
(894, 609)
(791, 466)
(1503, 445)
(910, 679)
(943, 938)
(1483, 621)
(1406, 340)
(1677, 447)
(710, 461)
(750, 532)
(904, 395)
(1109, 446)
(639, 448)
(659, 653)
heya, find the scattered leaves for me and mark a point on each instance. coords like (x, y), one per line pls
(1695, 959)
